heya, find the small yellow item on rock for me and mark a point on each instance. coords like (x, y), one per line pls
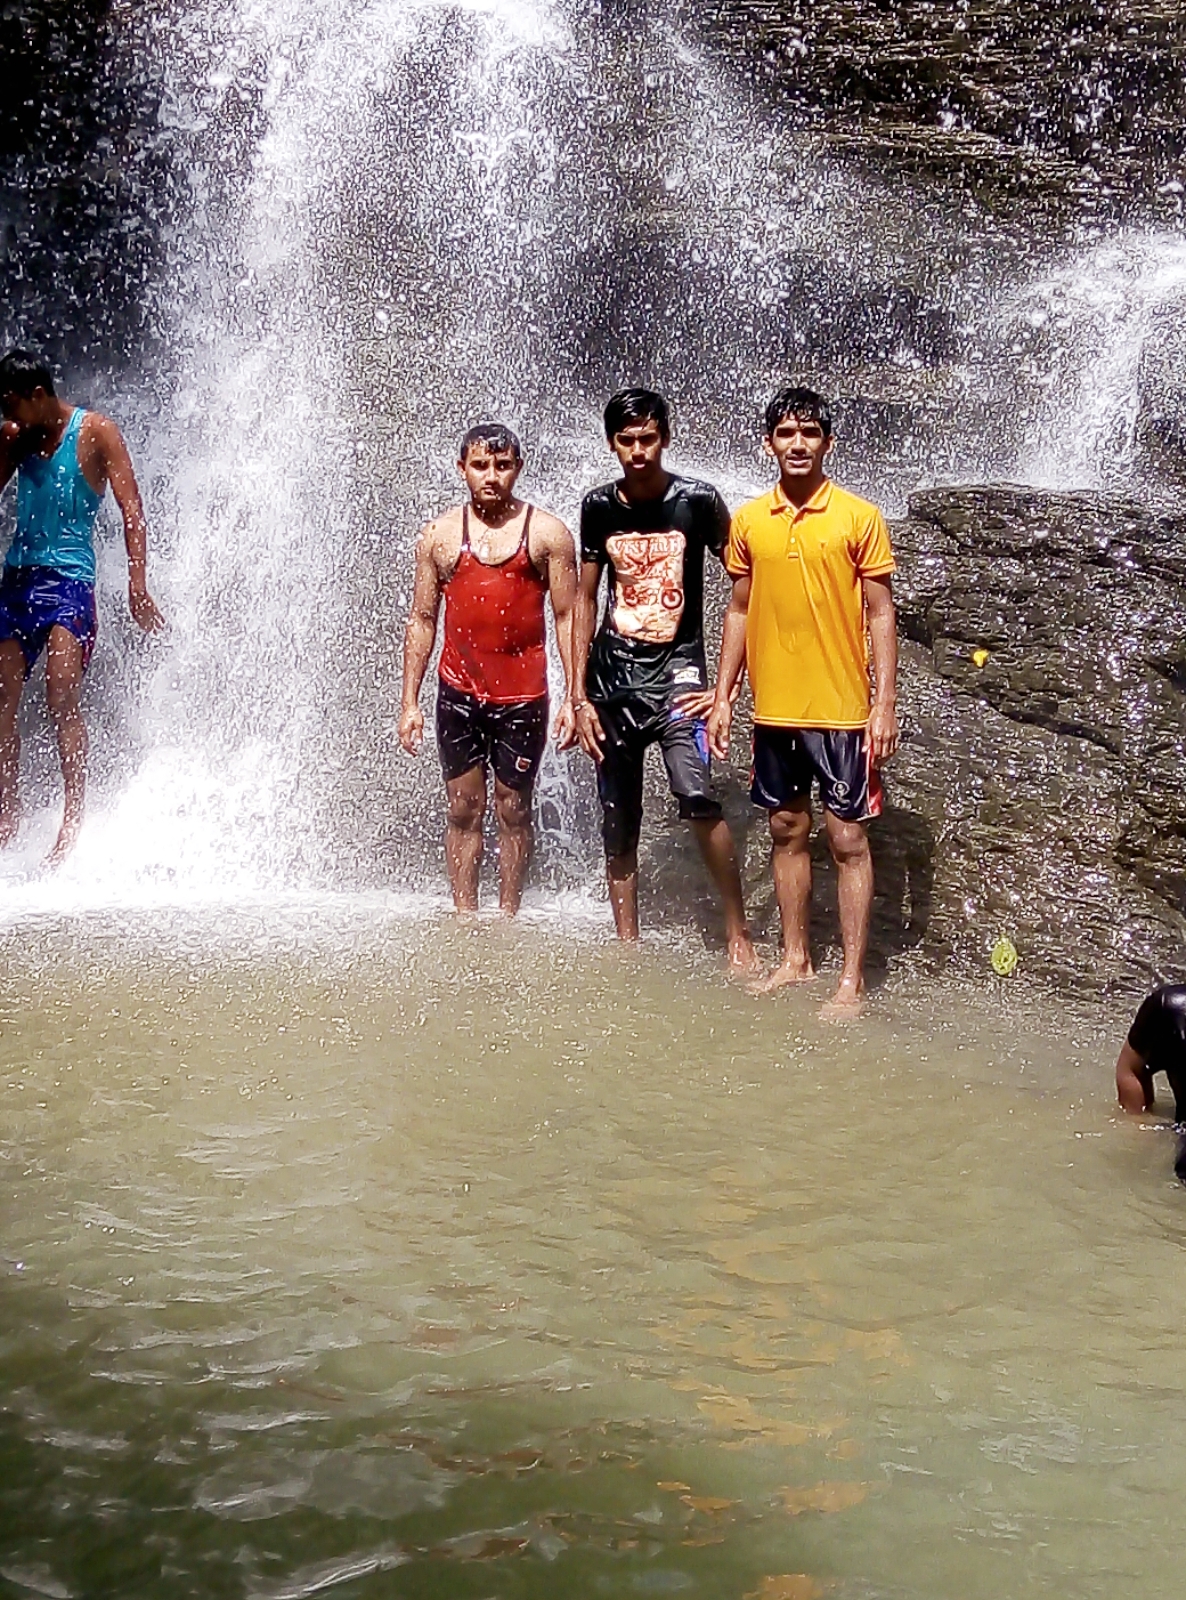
(979, 657)
(1004, 958)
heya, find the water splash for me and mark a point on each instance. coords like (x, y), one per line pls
(1082, 335)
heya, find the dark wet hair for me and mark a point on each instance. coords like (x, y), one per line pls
(629, 406)
(21, 372)
(795, 401)
(496, 436)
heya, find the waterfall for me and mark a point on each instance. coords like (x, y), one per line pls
(388, 219)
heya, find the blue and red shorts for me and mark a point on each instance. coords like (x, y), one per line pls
(35, 600)
(788, 760)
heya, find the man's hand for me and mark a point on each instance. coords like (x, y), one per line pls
(696, 703)
(564, 730)
(411, 729)
(144, 610)
(883, 733)
(590, 733)
(717, 724)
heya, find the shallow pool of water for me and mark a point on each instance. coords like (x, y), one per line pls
(378, 1256)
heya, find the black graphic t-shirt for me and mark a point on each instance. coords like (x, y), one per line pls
(651, 640)
(1158, 1035)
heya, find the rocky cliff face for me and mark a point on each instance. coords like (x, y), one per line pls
(1040, 789)
(1076, 105)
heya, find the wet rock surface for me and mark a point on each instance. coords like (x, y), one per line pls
(1081, 103)
(1046, 776)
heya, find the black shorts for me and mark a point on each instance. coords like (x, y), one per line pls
(786, 760)
(630, 726)
(474, 733)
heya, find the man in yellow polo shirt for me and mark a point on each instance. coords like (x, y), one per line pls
(811, 568)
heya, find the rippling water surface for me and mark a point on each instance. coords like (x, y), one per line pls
(369, 1255)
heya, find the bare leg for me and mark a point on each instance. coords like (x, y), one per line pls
(854, 871)
(513, 808)
(790, 857)
(12, 682)
(63, 697)
(622, 873)
(720, 857)
(463, 835)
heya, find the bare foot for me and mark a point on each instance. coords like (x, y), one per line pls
(65, 842)
(847, 1002)
(743, 958)
(797, 969)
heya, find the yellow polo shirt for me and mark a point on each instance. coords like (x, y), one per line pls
(805, 642)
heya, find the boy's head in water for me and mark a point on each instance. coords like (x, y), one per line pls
(490, 459)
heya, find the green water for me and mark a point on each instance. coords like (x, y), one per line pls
(375, 1258)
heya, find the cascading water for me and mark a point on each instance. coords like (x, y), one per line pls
(390, 219)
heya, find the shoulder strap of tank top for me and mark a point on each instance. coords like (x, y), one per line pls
(465, 530)
(526, 531)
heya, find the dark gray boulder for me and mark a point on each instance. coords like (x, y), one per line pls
(1049, 772)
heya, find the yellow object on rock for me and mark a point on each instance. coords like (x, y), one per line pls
(980, 657)
(1004, 958)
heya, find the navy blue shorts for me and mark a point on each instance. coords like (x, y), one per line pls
(34, 600)
(788, 760)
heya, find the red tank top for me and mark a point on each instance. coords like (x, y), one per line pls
(494, 626)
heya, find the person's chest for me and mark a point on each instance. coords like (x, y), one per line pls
(801, 548)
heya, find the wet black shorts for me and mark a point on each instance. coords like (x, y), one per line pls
(630, 726)
(474, 733)
(786, 760)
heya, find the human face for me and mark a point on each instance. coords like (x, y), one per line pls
(799, 446)
(639, 447)
(490, 476)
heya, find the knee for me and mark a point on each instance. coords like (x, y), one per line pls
(61, 694)
(790, 830)
(10, 693)
(466, 812)
(848, 841)
(513, 809)
(621, 864)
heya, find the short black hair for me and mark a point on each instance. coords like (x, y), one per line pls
(21, 372)
(796, 401)
(629, 406)
(496, 436)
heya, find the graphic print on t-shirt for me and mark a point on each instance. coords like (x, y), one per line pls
(648, 584)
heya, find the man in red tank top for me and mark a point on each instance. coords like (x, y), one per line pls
(494, 560)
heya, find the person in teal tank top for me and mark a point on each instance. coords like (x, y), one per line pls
(64, 459)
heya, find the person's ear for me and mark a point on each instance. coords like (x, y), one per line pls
(768, 446)
(828, 443)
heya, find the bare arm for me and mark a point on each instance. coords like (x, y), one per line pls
(560, 554)
(419, 638)
(731, 667)
(883, 641)
(1134, 1081)
(10, 434)
(116, 467)
(588, 727)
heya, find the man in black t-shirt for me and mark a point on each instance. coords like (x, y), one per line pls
(643, 679)
(1156, 1043)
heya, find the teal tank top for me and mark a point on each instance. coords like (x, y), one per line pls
(55, 511)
